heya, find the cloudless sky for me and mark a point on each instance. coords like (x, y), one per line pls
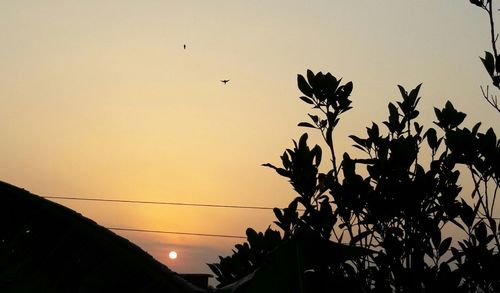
(98, 98)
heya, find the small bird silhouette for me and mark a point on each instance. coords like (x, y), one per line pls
(184, 46)
(224, 81)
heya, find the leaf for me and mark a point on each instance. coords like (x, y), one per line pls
(475, 128)
(269, 165)
(449, 117)
(491, 138)
(348, 89)
(283, 172)
(278, 214)
(311, 78)
(478, 3)
(432, 138)
(366, 161)
(456, 253)
(443, 247)
(418, 128)
(360, 236)
(493, 225)
(314, 118)
(285, 160)
(317, 152)
(361, 148)
(373, 132)
(414, 114)
(393, 111)
(481, 232)
(280, 171)
(303, 141)
(359, 141)
(323, 123)
(467, 214)
(436, 237)
(272, 238)
(413, 95)
(307, 100)
(457, 223)
(429, 251)
(403, 92)
(332, 83)
(489, 63)
(252, 236)
(497, 65)
(439, 117)
(306, 124)
(335, 122)
(496, 81)
(293, 205)
(215, 269)
(459, 118)
(304, 86)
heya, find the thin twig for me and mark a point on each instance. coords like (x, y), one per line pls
(493, 101)
(492, 27)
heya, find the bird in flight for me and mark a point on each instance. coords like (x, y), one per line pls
(184, 46)
(224, 81)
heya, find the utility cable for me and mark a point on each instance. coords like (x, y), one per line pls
(177, 203)
(161, 203)
(172, 232)
(169, 203)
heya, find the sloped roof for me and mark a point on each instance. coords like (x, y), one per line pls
(46, 247)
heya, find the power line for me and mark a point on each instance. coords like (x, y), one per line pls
(170, 203)
(161, 203)
(179, 203)
(172, 232)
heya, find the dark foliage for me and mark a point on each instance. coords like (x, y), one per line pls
(389, 202)
(396, 206)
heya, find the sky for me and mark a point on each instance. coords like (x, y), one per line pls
(98, 98)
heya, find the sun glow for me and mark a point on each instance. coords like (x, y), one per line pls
(172, 255)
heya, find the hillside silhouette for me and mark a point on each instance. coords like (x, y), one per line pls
(46, 247)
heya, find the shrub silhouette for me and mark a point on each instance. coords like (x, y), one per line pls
(396, 207)
(388, 202)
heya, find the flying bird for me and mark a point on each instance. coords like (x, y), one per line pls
(184, 46)
(224, 81)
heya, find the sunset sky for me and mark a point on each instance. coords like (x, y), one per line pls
(98, 98)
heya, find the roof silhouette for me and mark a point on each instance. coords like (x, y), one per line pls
(46, 247)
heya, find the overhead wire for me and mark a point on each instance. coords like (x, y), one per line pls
(176, 233)
(174, 203)
(160, 203)
(169, 203)
(163, 203)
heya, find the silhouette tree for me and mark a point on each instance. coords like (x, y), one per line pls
(388, 203)
(395, 207)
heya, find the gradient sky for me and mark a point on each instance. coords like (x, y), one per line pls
(98, 98)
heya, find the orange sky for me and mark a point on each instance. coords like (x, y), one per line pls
(99, 99)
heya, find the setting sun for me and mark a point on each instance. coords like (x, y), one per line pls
(172, 255)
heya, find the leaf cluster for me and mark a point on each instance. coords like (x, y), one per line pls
(389, 202)
(246, 257)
